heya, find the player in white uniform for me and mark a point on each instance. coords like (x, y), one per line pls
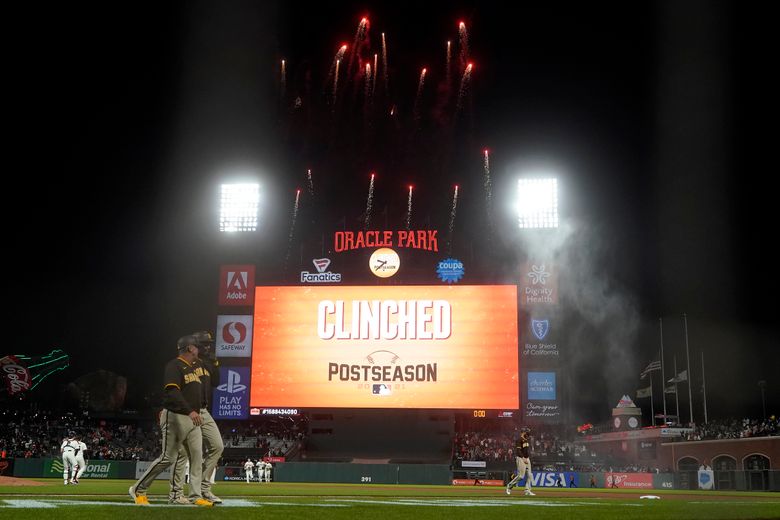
(259, 465)
(267, 471)
(80, 462)
(248, 465)
(68, 450)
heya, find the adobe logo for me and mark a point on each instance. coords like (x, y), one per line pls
(236, 285)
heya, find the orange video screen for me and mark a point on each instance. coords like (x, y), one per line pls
(445, 347)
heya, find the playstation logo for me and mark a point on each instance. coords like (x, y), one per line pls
(233, 385)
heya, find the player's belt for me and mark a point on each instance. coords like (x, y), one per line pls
(66, 449)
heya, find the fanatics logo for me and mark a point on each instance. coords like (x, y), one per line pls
(321, 264)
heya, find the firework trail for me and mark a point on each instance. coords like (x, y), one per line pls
(463, 41)
(367, 91)
(337, 58)
(409, 210)
(283, 82)
(449, 63)
(292, 228)
(384, 64)
(453, 212)
(336, 83)
(360, 36)
(369, 201)
(420, 86)
(488, 187)
(373, 79)
(464, 86)
(311, 182)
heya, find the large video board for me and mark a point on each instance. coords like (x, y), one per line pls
(444, 347)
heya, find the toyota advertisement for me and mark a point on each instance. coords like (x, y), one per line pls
(443, 347)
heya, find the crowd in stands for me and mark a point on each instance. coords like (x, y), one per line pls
(498, 446)
(33, 434)
(735, 429)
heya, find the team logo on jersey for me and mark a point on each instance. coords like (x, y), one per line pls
(233, 384)
(540, 328)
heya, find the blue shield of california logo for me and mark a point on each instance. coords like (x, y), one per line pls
(540, 328)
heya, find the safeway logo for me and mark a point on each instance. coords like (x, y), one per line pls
(233, 384)
(234, 337)
(235, 286)
(321, 264)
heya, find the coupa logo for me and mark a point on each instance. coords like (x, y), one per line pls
(450, 270)
(234, 332)
(540, 328)
(233, 384)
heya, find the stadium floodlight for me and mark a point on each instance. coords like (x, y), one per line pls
(537, 203)
(238, 207)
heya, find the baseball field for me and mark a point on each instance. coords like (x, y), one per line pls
(48, 498)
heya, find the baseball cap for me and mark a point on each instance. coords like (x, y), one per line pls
(185, 341)
(205, 338)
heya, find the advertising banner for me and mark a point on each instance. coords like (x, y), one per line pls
(95, 468)
(476, 482)
(6, 467)
(538, 284)
(234, 336)
(629, 480)
(542, 399)
(552, 479)
(706, 479)
(447, 347)
(231, 398)
(236, 285)
(539, 346)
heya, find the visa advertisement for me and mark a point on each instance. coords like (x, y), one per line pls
(445, 347)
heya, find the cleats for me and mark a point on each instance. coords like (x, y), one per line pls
(179, 500)
(529, 493)
(140, 500)
(508, 492)
(202, 502)
(211, 497)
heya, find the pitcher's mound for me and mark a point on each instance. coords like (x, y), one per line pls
(13, 481)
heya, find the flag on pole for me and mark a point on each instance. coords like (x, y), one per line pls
(670, 389)
(643, 392)
(679, 378)
(654, 365)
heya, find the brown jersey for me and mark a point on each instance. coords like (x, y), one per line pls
(522, 447)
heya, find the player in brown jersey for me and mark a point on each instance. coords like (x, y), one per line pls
(522, 449)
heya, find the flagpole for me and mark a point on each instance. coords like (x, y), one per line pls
(703, 386)
(663, 377)
(652, 410)
(676, 393)
(690, 374)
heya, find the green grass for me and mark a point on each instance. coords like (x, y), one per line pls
(108, 499)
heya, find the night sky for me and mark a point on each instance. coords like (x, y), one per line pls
(125, 118)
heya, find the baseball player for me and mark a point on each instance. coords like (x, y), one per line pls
(248, 465)
(212, 439)
(80, 462)
(180, 422)
(259, 466)
(68, 450)
(522, 446)
(267, 471)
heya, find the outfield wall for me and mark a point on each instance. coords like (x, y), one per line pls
(430, 474)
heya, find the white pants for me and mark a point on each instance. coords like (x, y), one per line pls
(81, 464)
(523, 470)
(68, 464)
(267, 475)
(248, 475)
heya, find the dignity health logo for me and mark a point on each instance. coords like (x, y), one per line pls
(233, 385)
(450, 270)
(538, 275)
